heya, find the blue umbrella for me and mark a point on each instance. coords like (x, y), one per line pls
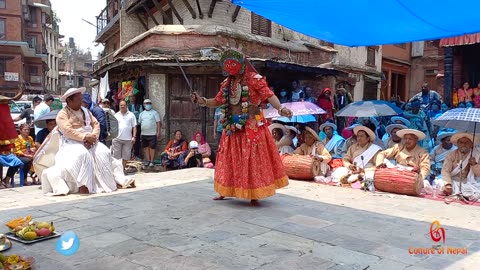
(369, 108)
(297, 119)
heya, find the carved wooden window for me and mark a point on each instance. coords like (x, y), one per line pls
(261, 26)
(370, 56)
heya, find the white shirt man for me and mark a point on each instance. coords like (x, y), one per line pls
(127, 128)
(149, 121)
(42, 109)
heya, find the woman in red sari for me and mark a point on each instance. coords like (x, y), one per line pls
(248, 165)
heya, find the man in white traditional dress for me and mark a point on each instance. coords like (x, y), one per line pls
(82, 164)
(333, 142)
(462, 165)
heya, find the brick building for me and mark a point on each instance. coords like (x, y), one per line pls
(146, 42)
(22, 51)
(407, 66)
(461, 62)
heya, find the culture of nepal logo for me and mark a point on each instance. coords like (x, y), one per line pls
(437, 234)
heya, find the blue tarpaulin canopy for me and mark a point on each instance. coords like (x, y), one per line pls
(371, 22)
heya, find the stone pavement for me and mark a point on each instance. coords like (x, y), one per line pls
(171, 222)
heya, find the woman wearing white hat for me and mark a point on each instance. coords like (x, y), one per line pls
(282, 141)
(409, 154)
(81, 164)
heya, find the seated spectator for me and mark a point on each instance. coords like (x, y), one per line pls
(13, 163)
(192, 157)
(42, 134)
(333, 142)
(292, 133)
(203, 149)
(173, 150)
(24, 150)
(283, 142)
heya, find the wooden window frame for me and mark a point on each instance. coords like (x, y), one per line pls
(3, 35)
(260, 25)
(3, 66)
(371, 50)
(4, 4)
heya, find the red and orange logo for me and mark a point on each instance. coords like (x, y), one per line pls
(437, 234)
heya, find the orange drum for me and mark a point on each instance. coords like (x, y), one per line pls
(397, 180)
(300, 167)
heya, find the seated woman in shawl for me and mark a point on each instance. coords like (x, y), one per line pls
(173, 150)
(333, 142)
(359, 161)
(282, 141)
(203, 149)
(314, 147)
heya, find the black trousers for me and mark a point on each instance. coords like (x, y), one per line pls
(137, 147)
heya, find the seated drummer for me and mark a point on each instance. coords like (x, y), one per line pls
(333, 142)
(359, 161)
(361, 155)
(461, 164)
(314, 147)
(409, 154)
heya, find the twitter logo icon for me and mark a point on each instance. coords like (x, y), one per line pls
(67, 244)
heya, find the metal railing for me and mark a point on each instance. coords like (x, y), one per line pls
(103, 61)
(107, 14)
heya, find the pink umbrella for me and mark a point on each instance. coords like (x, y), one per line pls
(297, 108)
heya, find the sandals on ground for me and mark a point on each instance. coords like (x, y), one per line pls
(35, 179)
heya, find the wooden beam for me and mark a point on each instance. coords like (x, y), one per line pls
(159, 8)
(179, 18)
(142, 21)
(212, 7)
(235, 13)
(150, 14)
(200, 13)
(189, 7)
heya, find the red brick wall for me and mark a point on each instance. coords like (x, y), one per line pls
(13, 15)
